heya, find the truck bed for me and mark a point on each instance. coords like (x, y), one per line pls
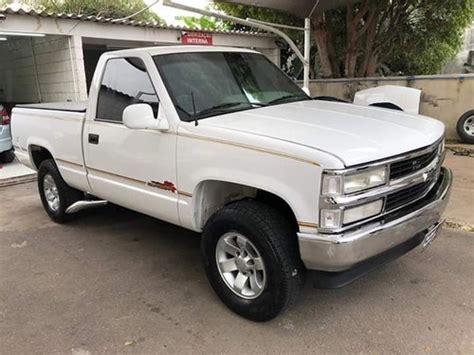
(57, 128)
(77, 106)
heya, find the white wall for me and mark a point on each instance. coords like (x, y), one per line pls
(39, 69)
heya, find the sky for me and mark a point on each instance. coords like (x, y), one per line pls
(168, 14)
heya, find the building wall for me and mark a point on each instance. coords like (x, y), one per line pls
(17, 74)
(444, 97)
(41, 69)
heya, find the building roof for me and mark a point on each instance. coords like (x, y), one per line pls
(106, 20)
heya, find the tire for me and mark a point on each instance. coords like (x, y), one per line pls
(49, 175)
(465, 127)
(272, 236)
(8, 156)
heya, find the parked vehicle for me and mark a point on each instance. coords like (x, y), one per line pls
(220, 141)
(6, 148)
(465, 127)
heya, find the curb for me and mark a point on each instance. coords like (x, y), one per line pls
(18, 180)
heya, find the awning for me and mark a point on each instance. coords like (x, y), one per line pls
(299, 8)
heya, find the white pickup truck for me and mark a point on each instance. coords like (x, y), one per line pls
(220, 141)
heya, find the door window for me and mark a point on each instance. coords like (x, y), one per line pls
(125, 82)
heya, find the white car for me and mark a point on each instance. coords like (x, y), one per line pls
(6, 148)
(220, 141)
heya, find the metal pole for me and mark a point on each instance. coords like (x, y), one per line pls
(307, 54)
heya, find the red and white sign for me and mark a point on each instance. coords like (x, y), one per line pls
(201, 38)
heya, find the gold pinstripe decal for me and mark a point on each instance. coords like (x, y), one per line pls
(117, 175)
(69, 162)
(148, 183)
(309, 225)
(245, 146)
(187, 194)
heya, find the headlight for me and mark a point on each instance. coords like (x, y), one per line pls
(346, 184)
(365, 180)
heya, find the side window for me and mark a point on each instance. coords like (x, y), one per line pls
(125, 82)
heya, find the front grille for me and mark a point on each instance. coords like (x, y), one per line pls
(409, 166)
(406, 196)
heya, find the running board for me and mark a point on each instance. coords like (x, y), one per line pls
(82, 205)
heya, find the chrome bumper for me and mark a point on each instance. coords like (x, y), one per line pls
(338, 252)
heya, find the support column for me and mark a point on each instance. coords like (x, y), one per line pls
(307, 54)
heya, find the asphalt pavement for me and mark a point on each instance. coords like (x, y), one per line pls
(115, 281)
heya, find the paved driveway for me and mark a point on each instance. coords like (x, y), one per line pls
(117, 281)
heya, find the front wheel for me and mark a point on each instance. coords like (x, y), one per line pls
(250, 253)
(55, 194)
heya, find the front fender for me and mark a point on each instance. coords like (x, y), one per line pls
(296, 181)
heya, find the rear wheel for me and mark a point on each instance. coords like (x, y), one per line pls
(465, 127)
(55, 194)
(250, 253)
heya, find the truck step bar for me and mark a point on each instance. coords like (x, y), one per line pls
(82, 205)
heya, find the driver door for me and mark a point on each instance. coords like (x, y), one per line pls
(134, 168)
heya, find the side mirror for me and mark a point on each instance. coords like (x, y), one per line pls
(141, 116)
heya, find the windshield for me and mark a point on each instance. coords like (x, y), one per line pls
(212, 83)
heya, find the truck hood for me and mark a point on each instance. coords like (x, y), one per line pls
(354, 134)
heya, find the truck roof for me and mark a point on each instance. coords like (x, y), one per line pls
(180, 49)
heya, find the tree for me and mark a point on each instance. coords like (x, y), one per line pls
(406, 36)
(104, 8)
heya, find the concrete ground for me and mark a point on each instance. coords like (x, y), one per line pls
(114, 281)
(461, 207)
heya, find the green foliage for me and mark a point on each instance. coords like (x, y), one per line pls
(104, 8)
(433, 36)
(5, 3)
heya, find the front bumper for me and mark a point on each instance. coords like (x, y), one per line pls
(339, 252)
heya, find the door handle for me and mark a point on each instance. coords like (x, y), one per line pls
(93, 138)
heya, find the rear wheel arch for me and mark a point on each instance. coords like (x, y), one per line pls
(39, 154)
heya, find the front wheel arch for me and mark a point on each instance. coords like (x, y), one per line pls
(213, 195)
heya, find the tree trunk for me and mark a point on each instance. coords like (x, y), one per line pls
(321, 37)
(370, 42)
(372, 66)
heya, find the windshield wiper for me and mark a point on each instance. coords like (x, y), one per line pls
(286, 97)
(224, 106)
